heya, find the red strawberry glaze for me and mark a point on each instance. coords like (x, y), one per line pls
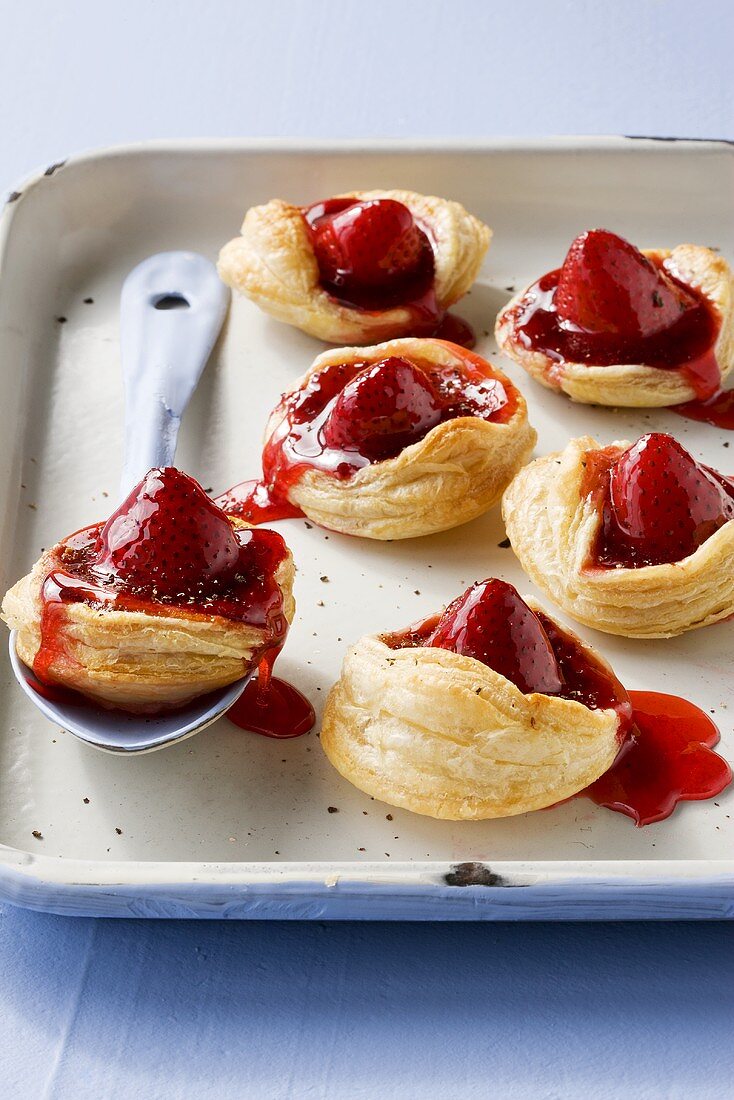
(657, 504)
(389, 405)
(573, 671)
(374, 256)
(131, 563)
(251, 595)
(492, 624)
(717, 410)
(687, 344)
(668, 759)
(666, 743)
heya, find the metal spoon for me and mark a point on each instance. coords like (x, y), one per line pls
(172, 308)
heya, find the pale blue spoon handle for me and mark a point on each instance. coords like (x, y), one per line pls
(172, 308)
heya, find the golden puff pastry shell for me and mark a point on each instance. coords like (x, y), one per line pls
(452, 475)
(552, 528)
(272, 262)
(635, 385)
(131, 659)
(444, 735)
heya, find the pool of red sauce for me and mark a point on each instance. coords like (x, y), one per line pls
(272, 707)
(297, 444)
(666, 743)
(687, 346)
(416, 293)
(717, 410)
(253, 597)
(668, 759)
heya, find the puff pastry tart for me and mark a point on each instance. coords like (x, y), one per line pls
(635, 539)
(359, 267)
(616, 326)
(402, 439)
(488, 710)
(166, 601)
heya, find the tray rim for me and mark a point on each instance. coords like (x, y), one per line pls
(421, 890)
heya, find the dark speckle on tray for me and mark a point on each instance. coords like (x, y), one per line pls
(471, 874)
(332, 809)
(61, 320)
(118, 831)
(85, 801)
(37, 834)
(88, 301)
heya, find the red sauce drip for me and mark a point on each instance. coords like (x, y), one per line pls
(717, 410)
(456, 331)
(252, 594)
(297, 444)
(280, 710)
(668, 759)
(687, 346)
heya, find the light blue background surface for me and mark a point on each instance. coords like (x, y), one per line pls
(132, 1009)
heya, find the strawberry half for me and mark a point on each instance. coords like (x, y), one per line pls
(606, 285)
(169, 536)
(662, 504)
(384, 409)
(491, 623)
(370, 246)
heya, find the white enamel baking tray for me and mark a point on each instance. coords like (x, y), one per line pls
(234, 825)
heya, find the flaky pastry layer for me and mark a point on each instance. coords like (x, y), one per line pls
(133, 660)
(455, 473)
(552, 528)
(635, 385)
(446, 736)
(272, 263)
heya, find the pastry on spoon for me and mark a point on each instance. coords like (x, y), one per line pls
(168, 600)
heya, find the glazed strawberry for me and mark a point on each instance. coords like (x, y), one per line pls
(606, 285)
(662, 504)
(491, 623)
(384, 409)
(167, 535)
(370, 246)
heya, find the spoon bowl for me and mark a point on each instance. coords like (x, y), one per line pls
(116, 730)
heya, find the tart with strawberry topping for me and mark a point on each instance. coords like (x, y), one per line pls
(634, 539)
(402, 439)
(619, 326)
(489, 709)
(360, 267)
(167, 600)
